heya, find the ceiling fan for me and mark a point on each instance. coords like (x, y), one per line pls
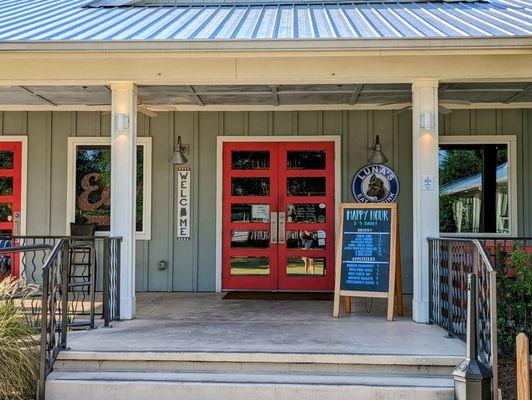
(441, 108)
(150, 110)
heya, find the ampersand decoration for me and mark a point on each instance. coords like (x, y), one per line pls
(89, 185)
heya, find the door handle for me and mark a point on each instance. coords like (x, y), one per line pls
(282, 233)
(273, 227)
(16, 223)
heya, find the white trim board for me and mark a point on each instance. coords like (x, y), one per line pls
(302, 47)
(24, 177)
(250, 139)
(511, 142)
(73, 142)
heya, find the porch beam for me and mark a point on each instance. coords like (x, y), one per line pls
(257, 68)
(123, 186)
(425, 189)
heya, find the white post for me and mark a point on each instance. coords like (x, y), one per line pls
(123, 186)
(426, 190)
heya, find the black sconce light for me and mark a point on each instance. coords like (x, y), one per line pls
(377, 156)
(178, 158)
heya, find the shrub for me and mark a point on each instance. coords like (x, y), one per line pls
(514, 296)
(19, 344)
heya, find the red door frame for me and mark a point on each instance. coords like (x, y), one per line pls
(15, 199)
(278, 200)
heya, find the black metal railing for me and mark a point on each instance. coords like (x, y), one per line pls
(93, 276)
(65, 270)
(450, 262)
(111, 279)
(500, 249)
(54, 319)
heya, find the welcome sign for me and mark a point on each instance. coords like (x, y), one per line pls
(366, 253)
(183, 203)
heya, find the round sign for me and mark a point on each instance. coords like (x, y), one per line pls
(375, 183)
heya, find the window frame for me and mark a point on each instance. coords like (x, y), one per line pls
(511, 142)
(73, 143)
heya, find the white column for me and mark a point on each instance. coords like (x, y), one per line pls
(123, 186)
(425, 185)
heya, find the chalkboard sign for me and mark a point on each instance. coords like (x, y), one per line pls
(366, 252)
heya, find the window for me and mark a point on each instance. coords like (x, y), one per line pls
(90, 184)
(476, 184)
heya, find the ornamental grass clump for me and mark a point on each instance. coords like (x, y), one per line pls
(19, 344)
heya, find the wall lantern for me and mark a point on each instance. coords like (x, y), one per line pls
(377, 156)
(178, 158)
(122, 122)
(426, 120)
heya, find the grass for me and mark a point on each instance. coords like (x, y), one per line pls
(19, 344)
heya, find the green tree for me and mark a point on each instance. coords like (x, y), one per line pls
(447, 222)
(458, 164)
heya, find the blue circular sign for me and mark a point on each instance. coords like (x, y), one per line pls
(375, 183)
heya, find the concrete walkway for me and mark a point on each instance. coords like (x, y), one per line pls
(201, 322)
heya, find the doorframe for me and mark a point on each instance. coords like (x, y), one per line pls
(220, 140)
(24, 176)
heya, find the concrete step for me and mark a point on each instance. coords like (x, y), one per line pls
(149, 385)
(382, 364)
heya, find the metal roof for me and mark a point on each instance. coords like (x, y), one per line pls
(73, 21)
(474, 182)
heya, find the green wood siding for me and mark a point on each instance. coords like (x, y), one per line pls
(192, 263)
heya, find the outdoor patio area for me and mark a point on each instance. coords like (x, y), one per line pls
(205, 322)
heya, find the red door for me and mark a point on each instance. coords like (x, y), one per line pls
(278, 216)
(10, 199)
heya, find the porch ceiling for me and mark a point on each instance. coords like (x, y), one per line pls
(153, 97)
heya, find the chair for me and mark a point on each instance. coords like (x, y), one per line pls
(82, 273)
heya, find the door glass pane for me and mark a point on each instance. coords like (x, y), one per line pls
(306, 186)
(305, 212)
(305, 239)
(6, 159)
(250, 159)
(250, 186)
(6, 212)
(314, 266)
(243, 265)
(250, 239)
(305, 159)
(250, 213)
(6, 185)
(474, 195)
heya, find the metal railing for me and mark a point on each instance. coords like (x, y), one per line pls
(66, 299)
(54, 319)
(94, 278)
(111, 279)
(450, 262)
(499, 249)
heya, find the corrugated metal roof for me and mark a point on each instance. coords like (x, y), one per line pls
(71, 20)
(474, 182)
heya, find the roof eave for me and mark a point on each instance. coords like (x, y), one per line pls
(489, 44)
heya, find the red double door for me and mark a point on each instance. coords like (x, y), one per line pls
(10, 202)
(278, 216)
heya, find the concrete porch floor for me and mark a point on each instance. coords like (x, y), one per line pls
(204, 322)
